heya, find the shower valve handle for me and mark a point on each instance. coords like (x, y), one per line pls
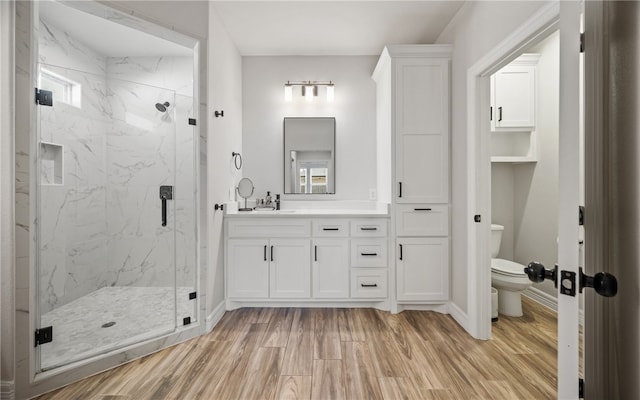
(166, 193)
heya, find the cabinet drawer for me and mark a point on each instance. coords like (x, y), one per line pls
(369, 227)
(422, 220)
(330, 228)
(369, 253)
(285, 227)
(369, 283)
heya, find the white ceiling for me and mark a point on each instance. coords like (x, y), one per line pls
(332, 27)
(107, 37)
(303, 27)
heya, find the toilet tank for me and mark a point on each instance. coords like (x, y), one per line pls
(496, 239)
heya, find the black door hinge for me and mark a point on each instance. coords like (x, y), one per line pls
(581, 42)
(581, 388)
(193, 295)
(44, 97)
(192, 121)
(186, 320)
(477, 218)
(43, 335)
(580, 215)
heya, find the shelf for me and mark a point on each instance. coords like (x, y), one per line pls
(512, 159)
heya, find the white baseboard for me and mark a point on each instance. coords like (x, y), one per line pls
(215, 316)
(460, 316)
(548, 301)
(7, 390)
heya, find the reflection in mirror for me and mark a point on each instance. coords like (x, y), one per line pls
(309, 155)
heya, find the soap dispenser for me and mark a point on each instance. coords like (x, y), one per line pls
(267, 200)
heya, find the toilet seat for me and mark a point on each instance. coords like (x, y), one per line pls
(507, 267)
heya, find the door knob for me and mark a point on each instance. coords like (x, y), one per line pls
(604, 283)
(538, 273)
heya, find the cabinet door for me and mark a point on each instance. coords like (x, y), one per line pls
(330, 268)
(247, 268)
(514, 97)
(422, 130)
(423, 269)
(290, 270)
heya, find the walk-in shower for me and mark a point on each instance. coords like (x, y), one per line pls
(116, 263)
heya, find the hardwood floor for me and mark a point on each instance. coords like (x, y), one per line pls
(341, 354)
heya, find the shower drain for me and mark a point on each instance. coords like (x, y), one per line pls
(108, 324)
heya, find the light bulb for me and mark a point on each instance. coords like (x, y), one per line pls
(308, 92)
(330, 93)
(288, 93)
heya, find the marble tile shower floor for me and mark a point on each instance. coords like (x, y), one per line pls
(139, 313)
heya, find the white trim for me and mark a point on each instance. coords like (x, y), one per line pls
(7, 390)
(439, 308)
(215, 316)
(548, 301)
(478, 279)
(460, 316)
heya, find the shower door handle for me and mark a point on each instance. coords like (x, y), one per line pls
(166, 193)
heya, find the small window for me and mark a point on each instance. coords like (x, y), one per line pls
(63, 89)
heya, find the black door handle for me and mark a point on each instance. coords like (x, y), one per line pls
(369, 285)
(271, 253)
(368, 254)
(400, 189)
(315, 257)
(400, 252)
(265, 252)
(166, 193)
(499, 113)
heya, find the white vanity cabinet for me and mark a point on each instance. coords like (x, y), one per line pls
(249, 277)
(330, 268)
(423, 269)
(413, 101)
(277, 268)
(283, 257)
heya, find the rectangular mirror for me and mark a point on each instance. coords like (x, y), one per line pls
(309, 155)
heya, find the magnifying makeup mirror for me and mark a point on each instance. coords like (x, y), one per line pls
(245, 190)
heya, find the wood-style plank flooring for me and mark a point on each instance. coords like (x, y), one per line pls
(358, 354)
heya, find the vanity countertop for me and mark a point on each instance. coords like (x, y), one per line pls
(323, 210)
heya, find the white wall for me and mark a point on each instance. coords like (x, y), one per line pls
(225, 71)
(536, 185)
(354, 109)
(476, 29)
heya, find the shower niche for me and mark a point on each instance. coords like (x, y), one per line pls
(115, 265)
(51, 164)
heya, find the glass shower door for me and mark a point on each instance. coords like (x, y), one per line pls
(106, 225)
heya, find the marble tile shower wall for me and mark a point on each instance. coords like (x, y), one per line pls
(101, 227)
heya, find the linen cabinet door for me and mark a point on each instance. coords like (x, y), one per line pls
(423, 269)
(422, 130)
(247, 268)
(330, 268)
(290, 270)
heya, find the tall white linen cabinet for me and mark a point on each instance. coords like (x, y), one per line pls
(413, 138)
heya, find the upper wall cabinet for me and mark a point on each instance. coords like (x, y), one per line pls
(513, 95)
(416, 78)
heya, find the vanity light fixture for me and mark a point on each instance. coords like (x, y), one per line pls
(309, 90)
(288, 92)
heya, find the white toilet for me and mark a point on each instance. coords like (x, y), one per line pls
(506, 276)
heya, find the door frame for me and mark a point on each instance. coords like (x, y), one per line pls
(533, 31)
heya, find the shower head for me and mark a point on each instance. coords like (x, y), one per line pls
(162, 107)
